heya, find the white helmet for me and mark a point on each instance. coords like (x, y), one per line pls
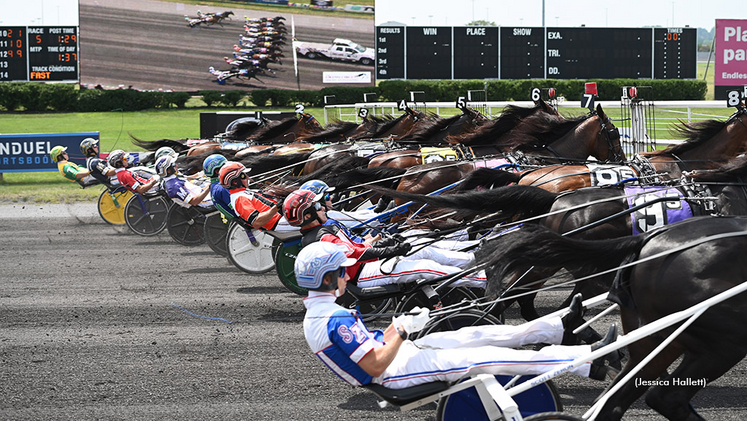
(165, 150)
(315, 260)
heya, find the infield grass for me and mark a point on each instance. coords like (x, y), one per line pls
(116, 127)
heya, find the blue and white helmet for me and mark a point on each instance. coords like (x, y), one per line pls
(212, 164)
(315, 260)
(165, 165)
(317, 186)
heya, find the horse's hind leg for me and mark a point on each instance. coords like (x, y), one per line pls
(616, 406)
(533, 280)
(672, 399)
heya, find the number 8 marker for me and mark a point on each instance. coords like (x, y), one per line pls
(733, 99)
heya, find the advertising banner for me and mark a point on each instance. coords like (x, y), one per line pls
(357, 8)
(731, 56)
(30, 152)
(346, 77)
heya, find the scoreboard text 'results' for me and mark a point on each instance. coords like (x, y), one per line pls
(407, 52)
(39, 54)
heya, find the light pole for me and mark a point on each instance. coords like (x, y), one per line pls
(430, 19)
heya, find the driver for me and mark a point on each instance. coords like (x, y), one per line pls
(70, 170)
(379, 262)
(254, 207)
(360, 356)
(221, 197)
(183, 192)
(129, 179)
(97, 167)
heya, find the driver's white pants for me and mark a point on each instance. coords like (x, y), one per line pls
(452, 355)
(393, 271)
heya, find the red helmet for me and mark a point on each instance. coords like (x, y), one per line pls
(296, 205)
(231, 174)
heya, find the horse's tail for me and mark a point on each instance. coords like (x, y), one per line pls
(488, 178)
(177, 145)
(535, 245)
(511, 201)
(190, 165)
(343, 164)
(373, 175)
(266, 165)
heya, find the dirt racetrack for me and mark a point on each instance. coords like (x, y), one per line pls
(94, 325)
(147, 44)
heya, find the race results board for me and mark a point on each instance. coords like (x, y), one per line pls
(39, 54)
(535, 53)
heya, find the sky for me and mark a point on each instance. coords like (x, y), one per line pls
(562, 13)
(39, 12)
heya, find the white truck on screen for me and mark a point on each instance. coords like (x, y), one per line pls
(340, 49)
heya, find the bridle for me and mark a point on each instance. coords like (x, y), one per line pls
(610, 134)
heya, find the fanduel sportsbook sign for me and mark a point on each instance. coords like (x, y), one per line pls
(731, 56)
(30, 152)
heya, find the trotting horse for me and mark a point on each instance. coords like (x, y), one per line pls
(482, 139)
(576, 140)
(601, 213)
(707, 144)
(382, 128)
(682, 265)
(394, 128)
(213, 18)
(282, 133)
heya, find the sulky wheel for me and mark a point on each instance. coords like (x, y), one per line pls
(466, 405)
(249, 250)
(146, 216)
(455, 321)
(448, 297)
(111, 206)
(216, 231)
(285, 258)
(186, 225)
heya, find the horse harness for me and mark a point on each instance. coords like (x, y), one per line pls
(609, 135)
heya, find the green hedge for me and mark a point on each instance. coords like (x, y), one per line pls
(227, 98)
(38, 97)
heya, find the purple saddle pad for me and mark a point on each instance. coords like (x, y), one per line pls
(657, 214)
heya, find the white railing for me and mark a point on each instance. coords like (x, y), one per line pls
(349, 112)
(495, 107)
